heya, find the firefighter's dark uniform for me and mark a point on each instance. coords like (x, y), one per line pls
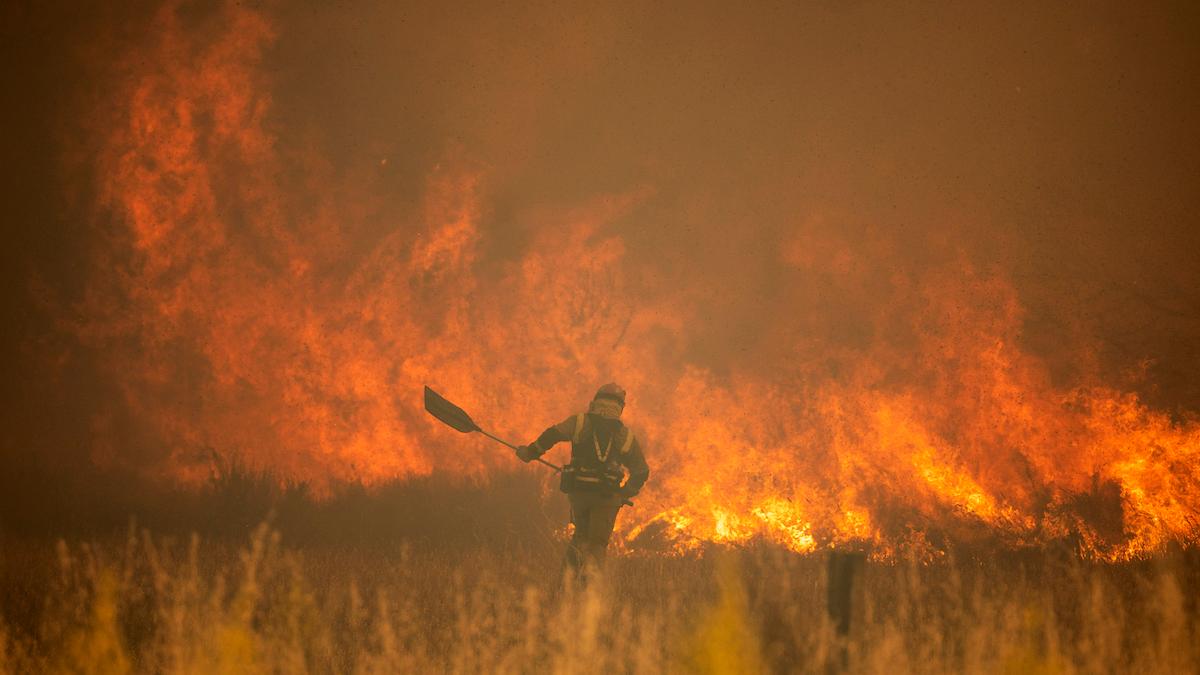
(601, 445)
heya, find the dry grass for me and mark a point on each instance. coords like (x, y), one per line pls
(152, 604)
(437, 576)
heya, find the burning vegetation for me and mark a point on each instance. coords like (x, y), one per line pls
(248, 297)
(897, 294)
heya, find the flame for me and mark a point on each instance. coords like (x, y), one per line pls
(246, 299)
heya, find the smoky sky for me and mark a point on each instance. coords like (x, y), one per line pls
(1057, 144)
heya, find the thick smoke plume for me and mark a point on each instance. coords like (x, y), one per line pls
(866, 276)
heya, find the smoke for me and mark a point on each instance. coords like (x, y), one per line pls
(858, 266)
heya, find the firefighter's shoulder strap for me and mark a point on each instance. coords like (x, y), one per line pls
(578, 427)
(628, 443)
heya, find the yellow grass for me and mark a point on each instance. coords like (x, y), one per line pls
(158, 605)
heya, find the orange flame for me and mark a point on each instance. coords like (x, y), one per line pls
(254, 308)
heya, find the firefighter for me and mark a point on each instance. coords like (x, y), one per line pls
(600, 446)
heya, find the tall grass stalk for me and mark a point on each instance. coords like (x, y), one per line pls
(161, 605)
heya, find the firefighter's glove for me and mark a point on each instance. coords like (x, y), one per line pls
(527, 453)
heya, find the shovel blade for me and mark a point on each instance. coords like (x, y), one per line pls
(454, 416)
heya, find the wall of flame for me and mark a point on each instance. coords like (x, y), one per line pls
(249, 298)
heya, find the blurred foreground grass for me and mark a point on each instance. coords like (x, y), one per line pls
(432, 576)
(156, 604)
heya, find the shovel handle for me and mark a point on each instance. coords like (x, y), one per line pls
(504, 442)
(552, 466)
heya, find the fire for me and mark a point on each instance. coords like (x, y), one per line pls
(249, 300)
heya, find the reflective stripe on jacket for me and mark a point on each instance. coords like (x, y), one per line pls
(598, 443)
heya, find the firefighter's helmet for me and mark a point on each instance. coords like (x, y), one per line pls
(609, 401)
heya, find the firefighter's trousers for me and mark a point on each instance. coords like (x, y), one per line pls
(593, 515)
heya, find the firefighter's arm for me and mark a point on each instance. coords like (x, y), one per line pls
(550, 437)
(639, 471)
